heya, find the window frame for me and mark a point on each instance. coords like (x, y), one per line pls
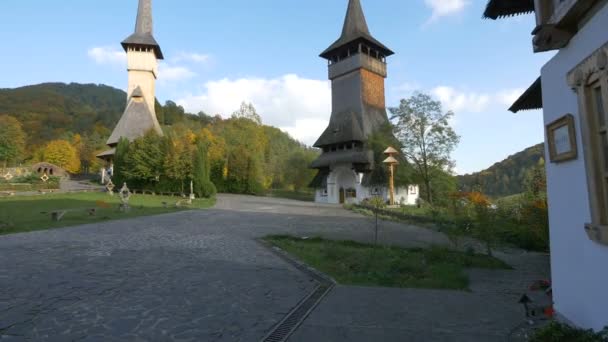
(584, 80)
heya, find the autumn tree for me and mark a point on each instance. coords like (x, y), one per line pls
(177, 164)
(426, 137)
(12, 140)
(247, 111)
(144, 162)
(297, 172)
(203, 187)
(62, 154)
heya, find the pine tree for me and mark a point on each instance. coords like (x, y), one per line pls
(203, 187)
(12, 139)
(122, 150)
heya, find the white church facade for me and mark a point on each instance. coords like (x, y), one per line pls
(573, 93)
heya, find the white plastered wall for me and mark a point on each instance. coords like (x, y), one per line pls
(579, 266)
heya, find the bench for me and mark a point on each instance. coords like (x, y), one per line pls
(57, 215)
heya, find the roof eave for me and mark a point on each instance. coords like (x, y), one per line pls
(135, 40)
(531, 99)
(503, 8)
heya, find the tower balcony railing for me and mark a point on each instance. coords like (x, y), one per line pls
(355, 62)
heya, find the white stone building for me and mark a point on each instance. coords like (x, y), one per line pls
(574, 88)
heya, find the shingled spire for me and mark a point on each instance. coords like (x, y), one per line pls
(355, 29)
(144, 17)
(355, 23)
(143, 36)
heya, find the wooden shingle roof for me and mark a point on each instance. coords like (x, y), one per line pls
(136, 121)
(143, 35)
(531, 99)
(355, 29)
(507, 8)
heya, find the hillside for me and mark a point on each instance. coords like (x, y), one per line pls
(507, 177)
(55, 110)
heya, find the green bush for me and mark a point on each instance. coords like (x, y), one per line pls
(557, 332)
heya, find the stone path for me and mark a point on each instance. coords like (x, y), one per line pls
(201, 276)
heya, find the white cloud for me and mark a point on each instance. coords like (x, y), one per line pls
(462, 101)
(107, 55)
(173, 73)
(191, 57)
(443, 8)
(508, 97)
(475, 102)
(297, 105)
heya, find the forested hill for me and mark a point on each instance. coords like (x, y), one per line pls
(53, 110)
(507, 177)
(48, 111)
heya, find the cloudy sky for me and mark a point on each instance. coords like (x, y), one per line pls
(219, 54)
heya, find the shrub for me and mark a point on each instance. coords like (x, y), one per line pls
(556, 332)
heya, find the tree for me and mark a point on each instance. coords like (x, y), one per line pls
(12, 139)
(177, 164)
(203, 187)
(62, 154)
(247, 111)
(144, 162)
(426, 137)
(377, 203)
(378, 142)
(120, 161)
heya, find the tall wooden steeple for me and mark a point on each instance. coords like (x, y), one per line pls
(357, 69)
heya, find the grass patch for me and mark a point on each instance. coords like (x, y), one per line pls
(24, 213)
(293, 195)
(556, 332)
(353, 263)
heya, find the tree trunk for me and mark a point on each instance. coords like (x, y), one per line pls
(429, 197)
(376, 232)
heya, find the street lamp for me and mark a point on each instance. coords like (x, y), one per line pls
(391, 161)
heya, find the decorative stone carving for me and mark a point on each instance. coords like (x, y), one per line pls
(44, 178)
(596, 62)
(125, 196)
(8, 176)
(110, 187)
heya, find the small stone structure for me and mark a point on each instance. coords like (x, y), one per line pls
(50, 170)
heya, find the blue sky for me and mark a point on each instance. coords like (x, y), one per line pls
(219, 54)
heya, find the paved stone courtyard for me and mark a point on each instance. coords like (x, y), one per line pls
(201, 276)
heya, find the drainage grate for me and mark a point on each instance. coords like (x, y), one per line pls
(282, 331)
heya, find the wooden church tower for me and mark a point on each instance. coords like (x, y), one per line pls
(143, 53)
(357, 70)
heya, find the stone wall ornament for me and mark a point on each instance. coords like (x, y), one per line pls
(8, 176)
(44, 178)
(125, 196)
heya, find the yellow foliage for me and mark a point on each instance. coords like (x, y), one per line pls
(216, 146)
(62, 154)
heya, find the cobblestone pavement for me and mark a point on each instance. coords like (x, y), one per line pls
(200, 276)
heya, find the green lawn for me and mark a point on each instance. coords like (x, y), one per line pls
(29, 213)
(294, 195)
(353, 263)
